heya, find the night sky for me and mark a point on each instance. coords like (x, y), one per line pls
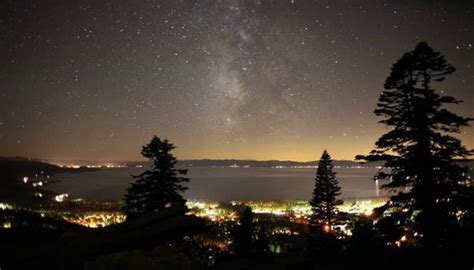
(94, 80)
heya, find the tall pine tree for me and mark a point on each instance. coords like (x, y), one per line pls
(243, 234)
(418, 152)
(326, 190)
(160, 186)
(262, 245)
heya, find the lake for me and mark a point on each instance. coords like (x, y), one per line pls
(225, 184)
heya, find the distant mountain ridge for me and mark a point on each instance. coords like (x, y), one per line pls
(260, 163)
(215, 163)
(248, 163)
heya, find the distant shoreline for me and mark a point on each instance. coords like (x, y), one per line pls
(206, 163)
(217, 163)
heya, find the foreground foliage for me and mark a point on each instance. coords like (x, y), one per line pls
(420, 156)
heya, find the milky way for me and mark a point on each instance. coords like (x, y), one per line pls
(94, 80)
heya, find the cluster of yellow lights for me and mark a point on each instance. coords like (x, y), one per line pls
(211, 211)
(76, 166)
(399, 242)
(365, 207)
(97, 219)
(7, 225)
(60, 197)
(284, 231)
(302, 209)
(298, 211)
(4, 206)
(460, 214)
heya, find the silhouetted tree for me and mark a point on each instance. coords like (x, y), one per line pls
(326, 190)
(159, 187)
(262, 246)
(389, 228)
(418, 151)
(243, 234)
(363, 243)
(323, 245)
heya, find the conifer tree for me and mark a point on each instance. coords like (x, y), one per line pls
(160, 186)
(262, 245)
(243, 233)
(418, 152)
(326, 191)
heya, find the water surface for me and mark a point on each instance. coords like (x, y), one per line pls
(224, 184)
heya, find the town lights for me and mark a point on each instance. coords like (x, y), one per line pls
(327, 228)
(61, 197)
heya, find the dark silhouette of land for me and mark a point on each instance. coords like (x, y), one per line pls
(22, 178)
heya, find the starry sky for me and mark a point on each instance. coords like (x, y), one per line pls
(94, 80)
